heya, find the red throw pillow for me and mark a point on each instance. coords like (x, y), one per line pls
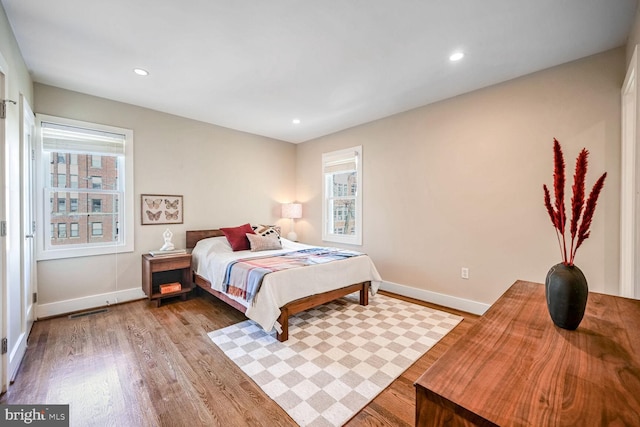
(237, 237)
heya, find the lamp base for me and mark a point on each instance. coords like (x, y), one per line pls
(292, 236)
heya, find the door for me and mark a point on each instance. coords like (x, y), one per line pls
(22, 314)
(15, 304)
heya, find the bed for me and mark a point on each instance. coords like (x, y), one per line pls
(283, 293)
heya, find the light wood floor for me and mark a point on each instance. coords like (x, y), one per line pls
(138, 365)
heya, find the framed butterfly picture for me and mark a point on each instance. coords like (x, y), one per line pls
(161, 209)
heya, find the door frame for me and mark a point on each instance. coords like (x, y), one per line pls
(28, 174)
(4, 90)
(629, 222)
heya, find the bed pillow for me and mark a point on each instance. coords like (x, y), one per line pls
(264, 243)
(237, 236)
(266, 230)
(218, 245)
(213, 245)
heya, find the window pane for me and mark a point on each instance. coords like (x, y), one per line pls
(86, 210)
(344, 184)
(343, 213)
(81, 177)
(96, 161)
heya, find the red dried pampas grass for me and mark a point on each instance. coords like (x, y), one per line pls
(581, 213)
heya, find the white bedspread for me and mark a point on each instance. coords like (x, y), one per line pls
(211, 257)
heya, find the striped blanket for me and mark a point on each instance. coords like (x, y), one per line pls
(243, 277)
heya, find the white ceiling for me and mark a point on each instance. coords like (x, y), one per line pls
(254, 65)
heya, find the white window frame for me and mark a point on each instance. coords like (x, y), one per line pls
(334, 158)
(125, 218)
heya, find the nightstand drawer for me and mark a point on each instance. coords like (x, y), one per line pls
(164, 263)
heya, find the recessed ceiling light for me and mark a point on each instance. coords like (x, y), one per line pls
(140, 72)
(457, 56)
(295, 121)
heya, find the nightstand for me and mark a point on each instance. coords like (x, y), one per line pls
(158, 270)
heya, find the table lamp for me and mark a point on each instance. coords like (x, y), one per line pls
(292, 211)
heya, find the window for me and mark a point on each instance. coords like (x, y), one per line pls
(342, 202)
(62, 180)
(96, 182)
(74, 229)
(61, 158)
(62, 231)
(100, 208)
(96, 229)
(73, 203)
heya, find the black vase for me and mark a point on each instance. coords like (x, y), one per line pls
(567, 291)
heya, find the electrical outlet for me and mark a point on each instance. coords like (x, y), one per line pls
(464, 273)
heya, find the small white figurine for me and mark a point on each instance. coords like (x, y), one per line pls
(168, 246)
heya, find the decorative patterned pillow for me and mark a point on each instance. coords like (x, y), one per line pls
(264, 243)
(237, 236)
(266, 230)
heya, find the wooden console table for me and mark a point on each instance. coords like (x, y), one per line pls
(516, 368)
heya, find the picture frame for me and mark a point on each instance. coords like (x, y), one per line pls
(161, 209)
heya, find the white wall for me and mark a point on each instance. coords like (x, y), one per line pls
(459, 183)
(226, 177)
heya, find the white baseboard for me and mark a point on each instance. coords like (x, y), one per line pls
(436, 298)
(86, 303)
(100, 300)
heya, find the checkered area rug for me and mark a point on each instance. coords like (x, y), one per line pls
(338, 357)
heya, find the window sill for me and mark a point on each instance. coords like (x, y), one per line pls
(82, 252)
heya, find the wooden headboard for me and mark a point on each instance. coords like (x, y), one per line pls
(193, 236)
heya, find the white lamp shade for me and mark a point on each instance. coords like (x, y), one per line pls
(292, 210)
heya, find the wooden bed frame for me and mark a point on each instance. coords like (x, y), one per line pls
(288, 309)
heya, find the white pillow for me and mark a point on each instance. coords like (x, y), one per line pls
(213, 244)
